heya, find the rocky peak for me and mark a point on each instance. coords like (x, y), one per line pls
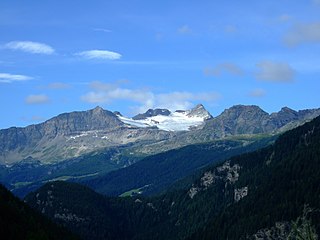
(284, 116)
(244, 115)
(152, 113)
(94, 119)
(97, 109)
(239, 119)
(286, 112)
(287, 109)
(244, 110)
(199, 111)
(117, 113)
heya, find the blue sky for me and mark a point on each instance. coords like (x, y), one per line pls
(62, 56)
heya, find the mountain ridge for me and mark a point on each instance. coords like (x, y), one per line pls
(73, 134)
(240, 198)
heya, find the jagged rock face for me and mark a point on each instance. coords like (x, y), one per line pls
(152, 113)
(284, 116)
(52, 139)
(64, 124)
(242, 119)
(238, 120)
(95, 119)
(240, 193)
(199, 111)
(225, 173)
(280, 231)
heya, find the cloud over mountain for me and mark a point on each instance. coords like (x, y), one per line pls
(107, 93)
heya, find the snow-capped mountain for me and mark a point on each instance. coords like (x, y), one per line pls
(73, 134)
(152, 113)
(163, 119)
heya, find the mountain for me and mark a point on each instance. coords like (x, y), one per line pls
(199, 111)
(275, 187)
(70, 135)
(152, 113)
(73, 134)
(90, 214)
(177, 121)
(242, 119)
(19, 221)
(84, 145)
(272, 192)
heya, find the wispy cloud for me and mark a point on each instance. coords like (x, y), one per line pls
(221, 68)
(185, 29)
(99, 54)
(37, 99)
(102, 30)
(30, 47)
(275, 72)
(257, 93)
(303, 33)
(107, 93)
(9, 78)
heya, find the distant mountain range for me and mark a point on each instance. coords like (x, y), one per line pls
(272, 193)
(74, 134)
(86, 146)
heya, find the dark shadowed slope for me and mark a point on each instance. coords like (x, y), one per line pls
(19, 221)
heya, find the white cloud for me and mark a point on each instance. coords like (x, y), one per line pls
(185, 29)
(257, 93)
(303, 33)
(102, 30)
(275, 72)
(30, 47)
(99, 54)
(8, 78)
(107, 93)
(223, 67)
(182, 100)
(37, 99)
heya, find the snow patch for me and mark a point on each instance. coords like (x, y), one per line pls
(177, 121)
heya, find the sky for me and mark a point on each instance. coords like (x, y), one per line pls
(129, 56)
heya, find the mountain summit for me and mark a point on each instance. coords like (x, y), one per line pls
(163, 119)
(74, 134)
(199, 111)
(152, 113)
